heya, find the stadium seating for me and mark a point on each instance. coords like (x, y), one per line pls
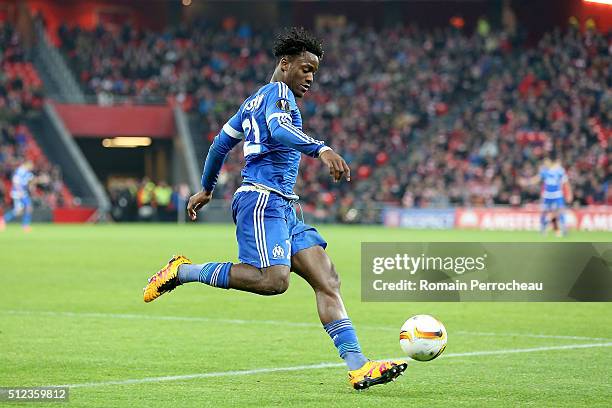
(424, 118)
(20, 96)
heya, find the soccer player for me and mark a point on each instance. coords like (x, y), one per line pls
(20, 193)
(554, 182)
(272, 241)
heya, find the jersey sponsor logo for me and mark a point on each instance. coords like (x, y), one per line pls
(283, 105)
(278, 252)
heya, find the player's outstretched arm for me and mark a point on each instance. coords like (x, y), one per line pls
(225, 141)
(336, 164)
(285, 132)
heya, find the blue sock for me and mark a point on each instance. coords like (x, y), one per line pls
(8, 216)
(213, 273)
(343, 335)
(543, 222)
(27, 219)
(562, 226)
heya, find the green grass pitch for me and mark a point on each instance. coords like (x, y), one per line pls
(71, 312)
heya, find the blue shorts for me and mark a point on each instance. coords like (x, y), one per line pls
(21, 204)
(267, 229)
(553, 204)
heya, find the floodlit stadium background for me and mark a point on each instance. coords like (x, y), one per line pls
(439, 107)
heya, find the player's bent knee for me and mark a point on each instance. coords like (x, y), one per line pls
(276, 279)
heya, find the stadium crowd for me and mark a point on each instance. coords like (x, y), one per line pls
(144, 200)
(425, 118)
(21, 95)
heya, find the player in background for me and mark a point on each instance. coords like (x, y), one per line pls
(272, 241)
(20, 193)
(555, 189)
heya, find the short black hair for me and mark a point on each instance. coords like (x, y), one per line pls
(294, 41)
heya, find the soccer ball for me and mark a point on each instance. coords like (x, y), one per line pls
(423, 337)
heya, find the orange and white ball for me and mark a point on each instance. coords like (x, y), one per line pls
(423, 337)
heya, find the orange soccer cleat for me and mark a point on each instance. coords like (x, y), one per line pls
(165, 280)
(376, 372)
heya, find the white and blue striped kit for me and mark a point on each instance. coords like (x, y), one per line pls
(20, 192)
(552, 187)
(267, 228)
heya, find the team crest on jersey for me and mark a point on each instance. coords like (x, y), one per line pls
(278, 252)
(283, 105)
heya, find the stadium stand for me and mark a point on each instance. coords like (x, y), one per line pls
(20, 96)
(428, 119)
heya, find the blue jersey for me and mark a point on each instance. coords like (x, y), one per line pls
(20, 182)
(270, 123)
(553, 179)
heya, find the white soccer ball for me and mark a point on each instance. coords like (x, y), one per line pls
(423, 337)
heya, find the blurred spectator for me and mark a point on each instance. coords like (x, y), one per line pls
(122, 195)
(482, 27)
(425, 118)
(163, 197)
(21, 96)
(143, 200)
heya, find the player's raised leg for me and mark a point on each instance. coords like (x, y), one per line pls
(262, 271)
(272, 280)
(316, 268)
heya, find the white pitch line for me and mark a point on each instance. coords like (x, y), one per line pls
(156, 317)
(203, 375)
(314, 367)
(535, 336)
(527, 350)
(273, 323)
